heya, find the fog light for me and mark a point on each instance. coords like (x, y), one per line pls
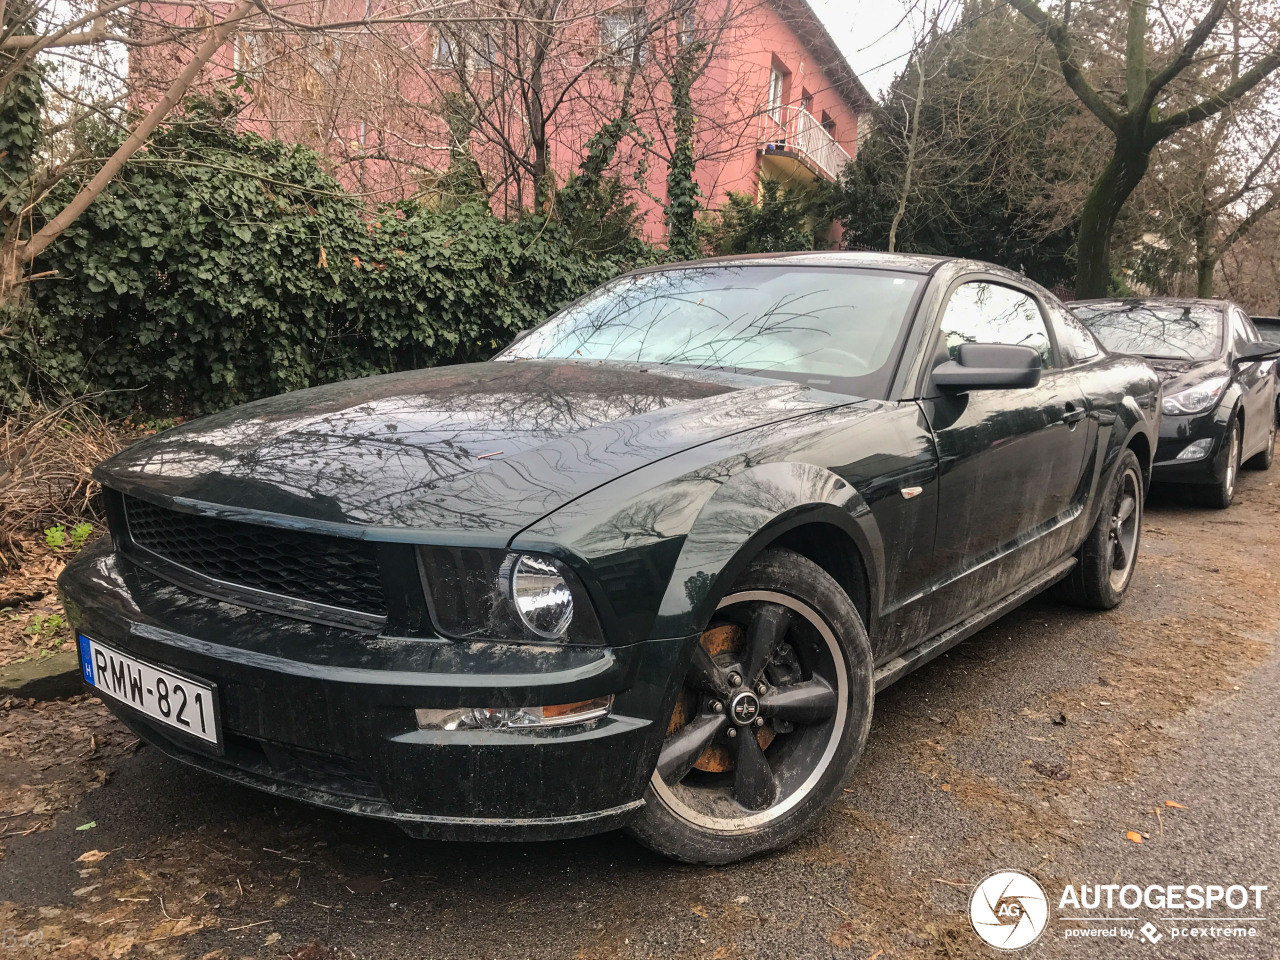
(1196, 451)
(507, 718)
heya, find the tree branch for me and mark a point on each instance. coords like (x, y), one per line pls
(88, 193)
(1210, 105)
(1183, 60)
(1058, 36)
(1247, 224)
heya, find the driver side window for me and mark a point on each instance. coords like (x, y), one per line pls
(983, 312)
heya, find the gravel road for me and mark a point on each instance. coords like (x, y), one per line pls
(1037, 745)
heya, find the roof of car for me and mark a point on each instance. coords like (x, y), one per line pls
(1164, 301)
(905, 262)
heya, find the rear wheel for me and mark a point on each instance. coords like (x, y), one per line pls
(1104, 565)
(771, 718)
(1219, 495)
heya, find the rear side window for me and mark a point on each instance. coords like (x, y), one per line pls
(983, 312)
(1074, 337)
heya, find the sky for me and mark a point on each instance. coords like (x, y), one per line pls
(871, 36)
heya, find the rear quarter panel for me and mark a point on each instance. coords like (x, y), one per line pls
(1124, 395)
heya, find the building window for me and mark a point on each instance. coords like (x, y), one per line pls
(248, 53)
(688, 32)
(774, 103)
(444, 54)
(486, 50)
(622, 35)
(828, 124)
(806, 101)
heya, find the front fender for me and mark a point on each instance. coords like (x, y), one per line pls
(742, 517)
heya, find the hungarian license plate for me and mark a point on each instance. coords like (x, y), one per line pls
(169, 698)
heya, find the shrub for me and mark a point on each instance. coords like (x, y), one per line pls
(783, 218)
(221, 267)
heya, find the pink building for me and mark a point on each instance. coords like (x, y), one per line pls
(773, 97)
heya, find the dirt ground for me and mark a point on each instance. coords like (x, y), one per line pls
(31, 618)
(1052, 742)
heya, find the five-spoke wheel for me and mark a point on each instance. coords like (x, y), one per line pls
(773, 711)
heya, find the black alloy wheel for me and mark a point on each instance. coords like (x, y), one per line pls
(770, 718)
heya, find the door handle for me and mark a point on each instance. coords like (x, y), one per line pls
(1073, 414)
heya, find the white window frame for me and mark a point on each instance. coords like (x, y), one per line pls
(777, 79)
(620, 34)
(444, 54)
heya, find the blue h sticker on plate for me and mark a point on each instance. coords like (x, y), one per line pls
(86, 659)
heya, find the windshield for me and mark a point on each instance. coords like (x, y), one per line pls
(1161, 331)
(815, 325)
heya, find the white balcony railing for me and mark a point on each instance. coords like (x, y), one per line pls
(795, 130)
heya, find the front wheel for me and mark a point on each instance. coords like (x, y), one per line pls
(1219, 495)
(1104, 565)
(770, 721)
(1263, 459)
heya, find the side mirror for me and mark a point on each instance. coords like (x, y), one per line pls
(988, 366)
(1258, 350)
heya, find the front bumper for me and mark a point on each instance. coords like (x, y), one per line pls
(1177, 433)
(326, 715)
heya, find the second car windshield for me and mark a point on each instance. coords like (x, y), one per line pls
(810, 324)
(1156, 330)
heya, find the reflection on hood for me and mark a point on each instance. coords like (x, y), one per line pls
(477, 447)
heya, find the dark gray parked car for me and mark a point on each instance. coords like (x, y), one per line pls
(1219, 385)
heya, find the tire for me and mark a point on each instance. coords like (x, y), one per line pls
(1263, 459)
(718, 797)
(1105, 562)
(1218, 496)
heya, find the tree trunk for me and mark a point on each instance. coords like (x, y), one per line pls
(911, 157)
(1123, 173)
(1205, 267)
(682, 189)
(1206, 257)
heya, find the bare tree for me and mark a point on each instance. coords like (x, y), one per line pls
(88, 62)
(1156, 101)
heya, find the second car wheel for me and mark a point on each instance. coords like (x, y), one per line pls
(1219, 495)
(771, 718)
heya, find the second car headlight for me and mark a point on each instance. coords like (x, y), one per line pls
(1196, 399)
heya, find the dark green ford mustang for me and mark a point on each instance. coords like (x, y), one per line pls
(647, 568)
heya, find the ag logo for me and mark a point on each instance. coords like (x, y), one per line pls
(1008, 909)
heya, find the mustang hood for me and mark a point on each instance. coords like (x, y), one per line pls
(476, 451)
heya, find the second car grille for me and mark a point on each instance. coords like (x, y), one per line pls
(313, 568)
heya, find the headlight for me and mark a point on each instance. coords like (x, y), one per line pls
(539, 593)
(477, 594)
(1195, 399)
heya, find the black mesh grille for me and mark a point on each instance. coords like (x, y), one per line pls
(314, 568)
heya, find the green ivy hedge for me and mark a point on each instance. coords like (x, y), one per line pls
(222, 267)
